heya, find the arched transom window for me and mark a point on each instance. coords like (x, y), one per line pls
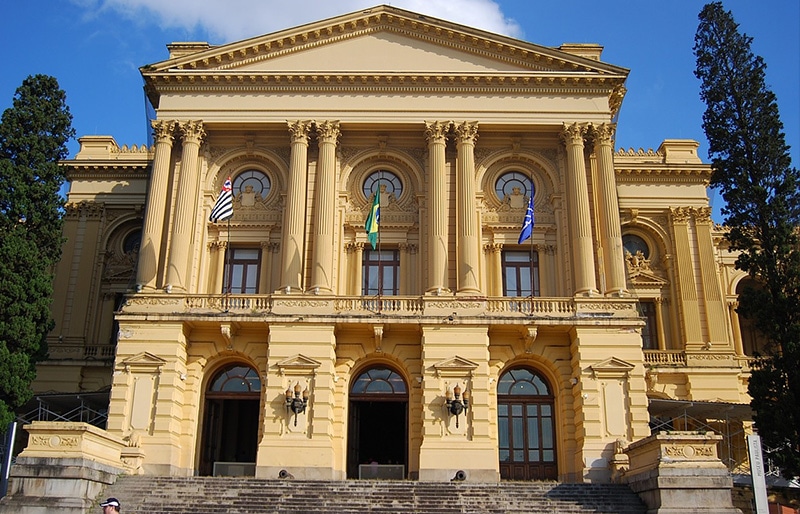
(379, 381)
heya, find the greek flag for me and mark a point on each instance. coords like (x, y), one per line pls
(223, 209)
(527, 223)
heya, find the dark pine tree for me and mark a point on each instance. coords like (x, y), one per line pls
(33, 137)
(753, 170)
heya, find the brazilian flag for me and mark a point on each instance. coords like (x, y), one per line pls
(371, 226)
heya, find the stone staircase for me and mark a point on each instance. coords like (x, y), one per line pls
(218, 495)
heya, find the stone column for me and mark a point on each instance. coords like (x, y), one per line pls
(578, 205)
(737, 329)
(357, 250)
(610, 228)
(467, 231)
(436, 135)
(662, 336)
(268, 250)
(325, 208)
(218, 253)
(186, 207)
(295, 210)
(152, 235)
(494, 252)
(408, 267)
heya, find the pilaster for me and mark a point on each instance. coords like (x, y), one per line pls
(715, 304)
(457, 355)
(609, 395)
(304, 445)
(689, 304)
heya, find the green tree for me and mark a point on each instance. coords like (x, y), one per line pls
(753, 170)
(33, 137)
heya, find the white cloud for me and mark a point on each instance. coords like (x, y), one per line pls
(231, 20)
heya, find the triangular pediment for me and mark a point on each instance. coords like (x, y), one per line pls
(646, 279)
(382, 39)
(611, 368)
(143, 362)
(298, 362)
(455, 364)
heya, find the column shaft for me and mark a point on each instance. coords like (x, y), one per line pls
(578, 205)
(152, 235)
(324, 208)
(610, 228)
(185, 209)
(468, 237)
(295, 212)
(435, 133)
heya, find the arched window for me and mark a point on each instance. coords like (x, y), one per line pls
(379, 381)
(236, 378)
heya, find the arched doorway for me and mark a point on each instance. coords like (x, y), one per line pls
(230, 422)
(377, 440)
(526, 426)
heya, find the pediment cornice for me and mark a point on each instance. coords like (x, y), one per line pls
(529, 58)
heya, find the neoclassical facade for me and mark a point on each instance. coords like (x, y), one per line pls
(282, 341)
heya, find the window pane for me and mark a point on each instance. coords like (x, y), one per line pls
(518, 431)
(533, 433)
(547, 433)
(548, 456)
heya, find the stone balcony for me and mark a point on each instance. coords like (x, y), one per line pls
(395, 309)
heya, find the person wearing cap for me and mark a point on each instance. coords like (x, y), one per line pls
(110, 505)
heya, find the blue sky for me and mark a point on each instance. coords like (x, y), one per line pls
(95, 48)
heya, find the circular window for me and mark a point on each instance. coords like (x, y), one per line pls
(251, 182)
(634, 244)
(512, 184)
(132, 242)
(383, 181)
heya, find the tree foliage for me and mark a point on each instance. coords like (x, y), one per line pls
(752, 169)
(34, 132)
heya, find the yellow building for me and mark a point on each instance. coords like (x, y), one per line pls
(210, 334)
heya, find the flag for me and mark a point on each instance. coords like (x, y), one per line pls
(223, 209)
(371, 226)
(527, 223)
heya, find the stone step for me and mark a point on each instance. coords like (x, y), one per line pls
(224, 495)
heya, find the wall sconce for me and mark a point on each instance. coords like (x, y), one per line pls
(296, 403)
(456, 404)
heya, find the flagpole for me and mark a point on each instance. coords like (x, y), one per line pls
(380, 271)
(228, 276)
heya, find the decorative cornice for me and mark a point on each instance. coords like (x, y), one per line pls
(454, 83)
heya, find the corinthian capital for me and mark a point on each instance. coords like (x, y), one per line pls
(299, 130)
(192, 131)
(163, 130)
(604, 133)
(573, 133)
(466, 132)
(328, 131)
(436, 131)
